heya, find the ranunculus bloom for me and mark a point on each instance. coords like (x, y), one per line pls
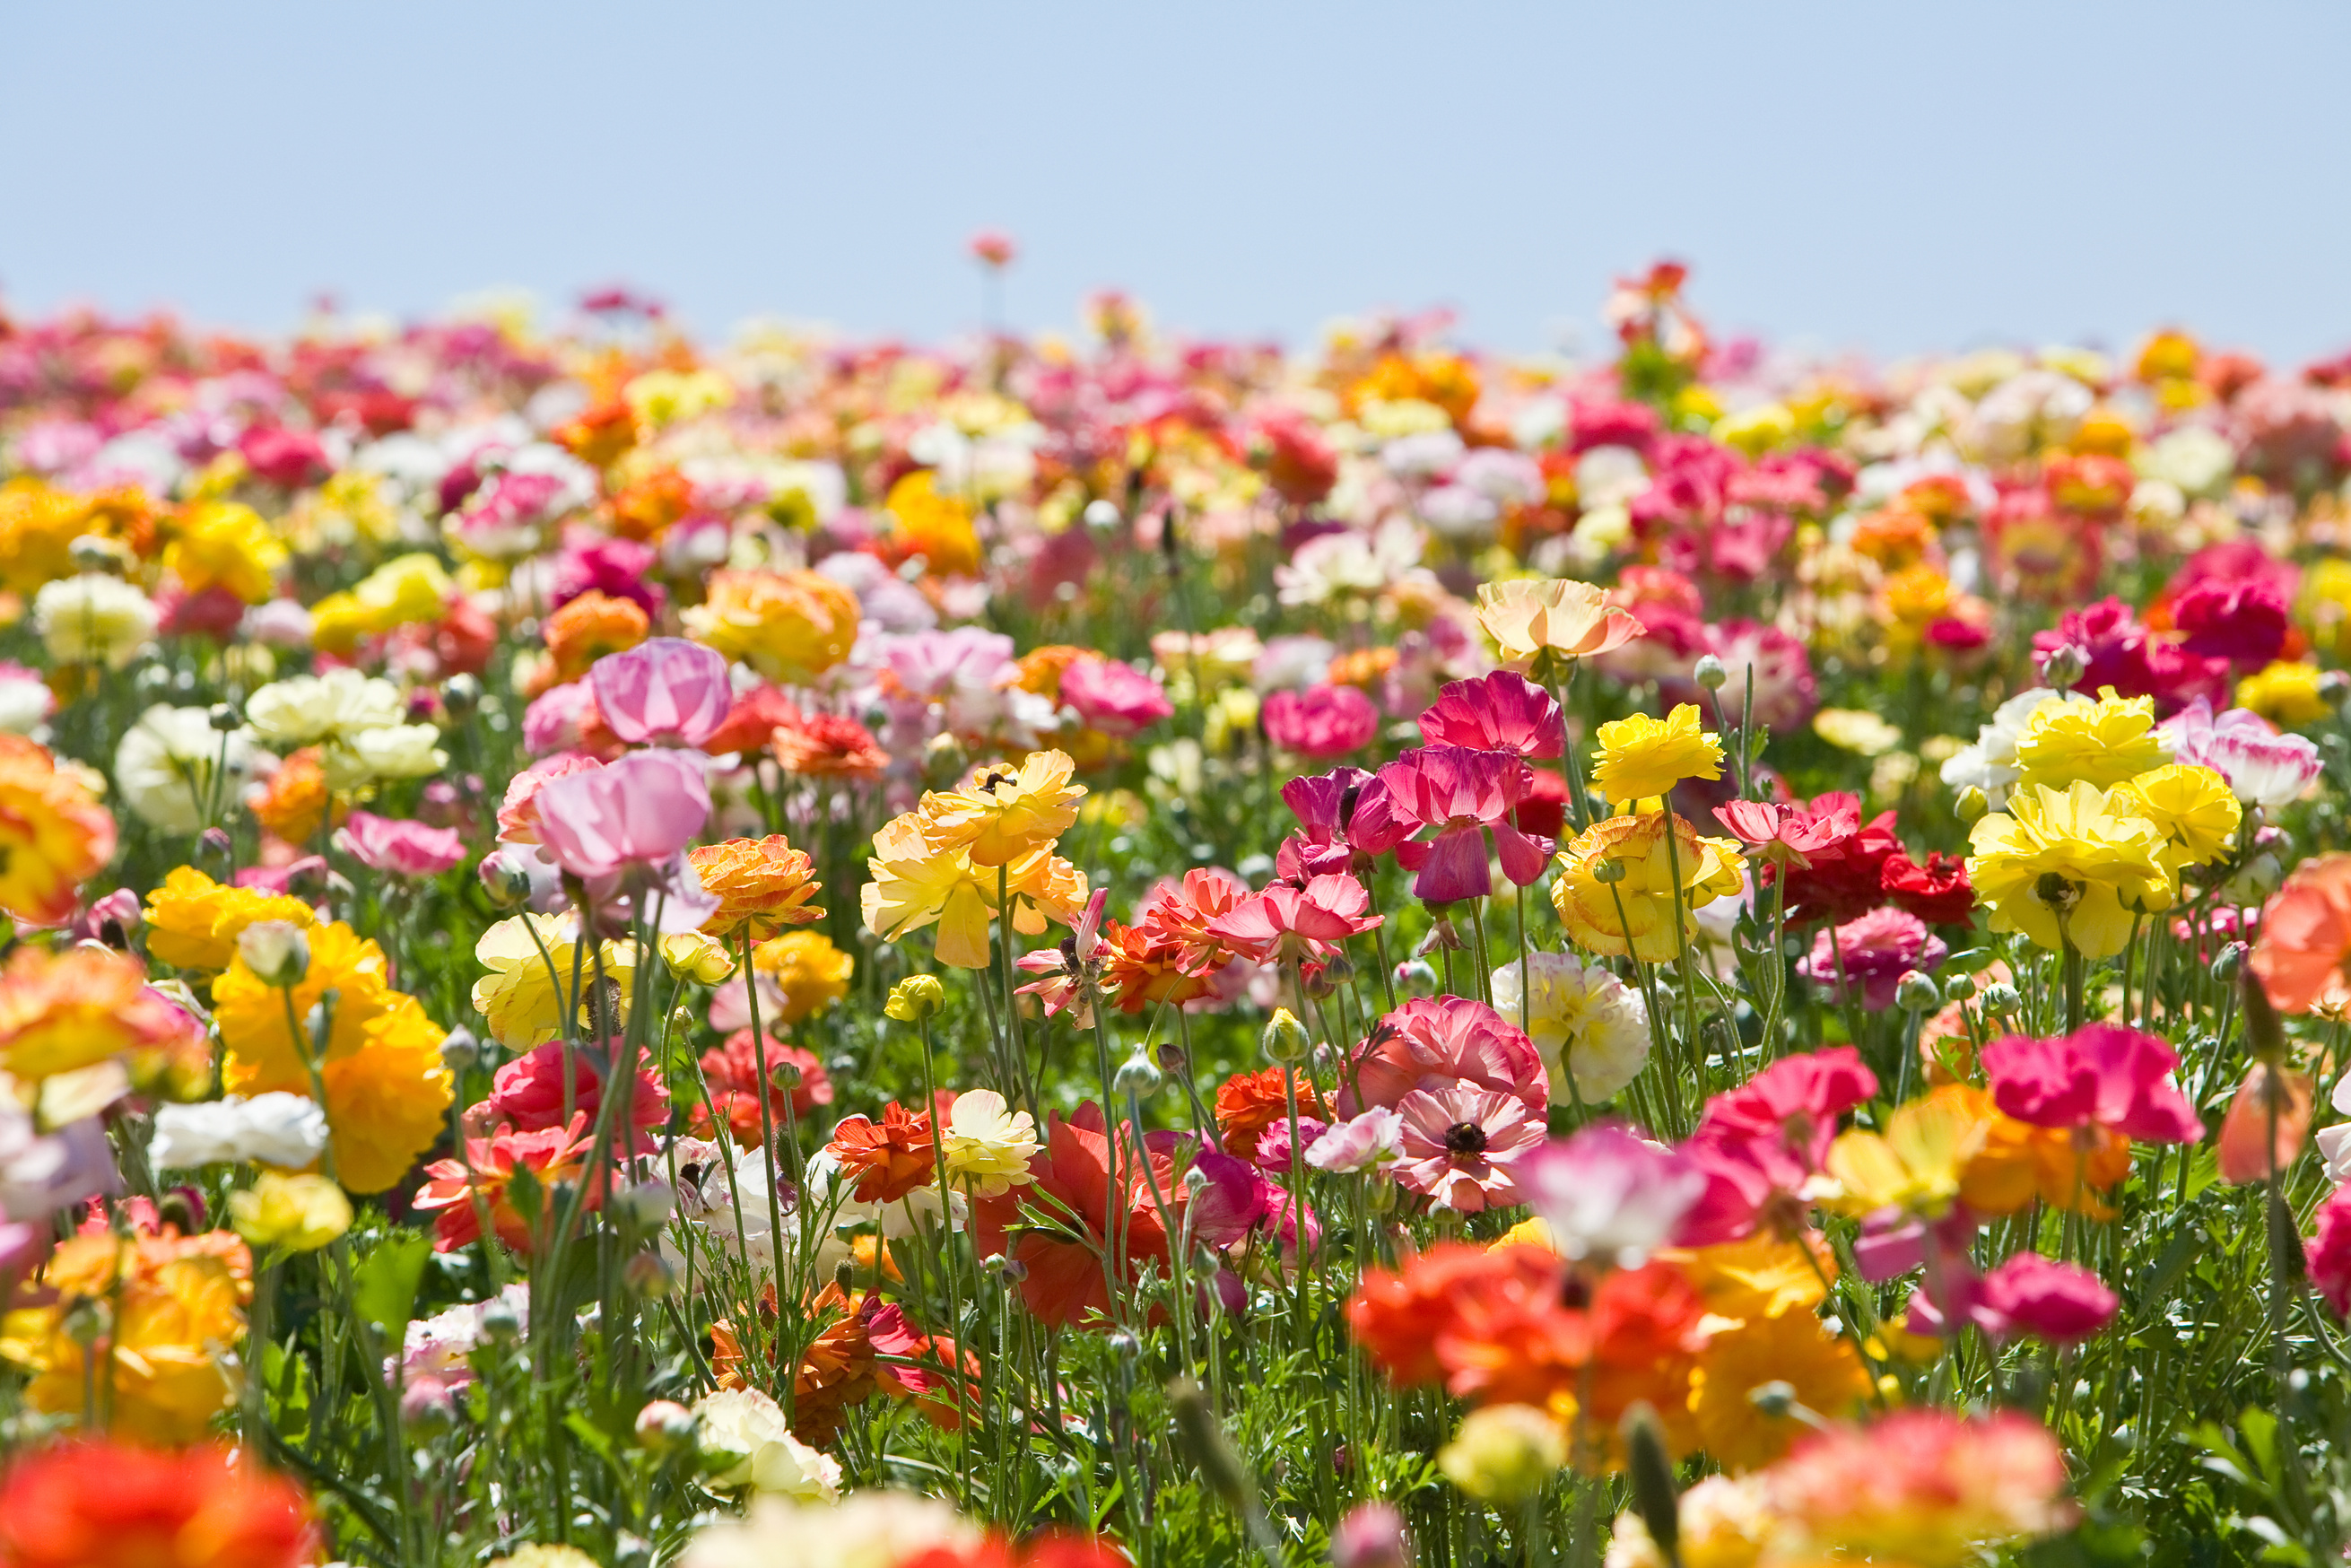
(1781, 834)
(2266, 1124)
(1114, 696)
(546, 1085)
(1461, 1143)
(1320, 722)
(1846, 874)
(1065, 1285)
(1431, 1042)
(462, 1190)
(665, 691)
(1500, 712)
(2062, 1303)
(2264, 768)
(643, 809)
(2103, 1075)
(2242, 619)
(1610, 1195)
(1761, 1143)
(1463, 795)
(1285, 923)
(1937, 893)
(2328, 1253)
(103, 1505)
(886, 1159)
(2136, 662)
(1571, 619)
(1870, 954)
(2305, 936)
(397, 847)
(732, 1072)
(1326, 806)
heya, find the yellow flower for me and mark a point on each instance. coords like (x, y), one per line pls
(693, 955)
(536, 1556)
(1527, 617)
(918, 879)
(1793, 1348)
(410, 590)
(1003, 812)
(298, 1213)
(221, 544)
(192, 922)
(388, 1103)
(2285, 694)
(1504, 1453)
(1917, 1164)
(2193, 809)
(916, 997)
(528, 995)
(934, 526)
(53, 835)
(1641, 757)
(1857, 730)
(1762, 1277)
(2105, 742)
(1590, 908)
(988, 1143)
(790, 626)
(811, 973)
(2077, 865)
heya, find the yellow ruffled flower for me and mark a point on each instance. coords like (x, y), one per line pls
(1642, 757)
(2079, 864)
(694, 955)
(192, 922)
(1003, 812)
(1917, 1164)
(2192, 807)
(1793, 1348)
(811, 973)
(2105, 742)
(410, 590)
(223, 544)
(937, 528)
(1636, 914)
(296, 1213)
(54, 835)
(1504, 1453)
(918, 879)
(528, 995)
(2285, 694)
(790, 626)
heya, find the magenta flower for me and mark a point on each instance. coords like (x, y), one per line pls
(1114, 696)
(1610, 1194)
(2103, 1075)
(1463, 795)
(2327, 1252)
(1761, 1143)
(643, 810)
(2029, 1294)
(2240, 619)
(1323, 721)
(1874, 951)
(1062, 975)
(1232, 1202)
(662, 692)
(1324, 805)
(1501, 712)
(614, 568)
(1430, 1042)
(1460, 1145)
(399, 848)
(1285, 923)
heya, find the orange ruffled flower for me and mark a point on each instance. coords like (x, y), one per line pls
(1250, 1103)
(293, 801)
(2306, 935)
(828, 746)
(53, 835)
(763, 885)
(107, 1505)
(887, 1159)
(589, 627)
(63, 1011)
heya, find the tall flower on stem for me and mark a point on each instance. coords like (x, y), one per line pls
(1463, 795)
(1647, 910)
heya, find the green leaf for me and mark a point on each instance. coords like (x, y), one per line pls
(384, 1284)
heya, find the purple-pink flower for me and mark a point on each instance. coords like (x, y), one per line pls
(1873, 953)
(1431, 1042)
(2029, 1294)
(1609, 1194)
(1323, 721)
(640, 810)
(2103, 1075)
(2264, 768)
(1500, 712)
(1461, 1143)
(399, 848)
(1114, 696)
(1463, 795)
(615, 567)
(663, 692)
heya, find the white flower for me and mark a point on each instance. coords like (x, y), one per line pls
(1990, 763)
(824, 1194)
(1582, 1019)
(93, 619)
(865, 1530)
(746, 1438)
(2194, 457)
(275, 1128)
(988, 1145)
(25, 700)
(165, 766)
(394, 751)
(303, 710)
(1333, 566)
(1609, 475)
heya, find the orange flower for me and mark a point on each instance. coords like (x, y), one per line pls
(887, 1159)
(646, 510)
(1039, 669)
(836, 1371)
(1250, 1103)
(2305, 934)
(828, 746)
(63, 1011)
(550, 1154)
(1145, 973)
(104, 1505)
(293, 801)
(1364, 667)
(762, 885)
(53, 835)
(2266, 1123)
(589, 627)
(601, 434)
(2065, 1168)
(1398, 1316)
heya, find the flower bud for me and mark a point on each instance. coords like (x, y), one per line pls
(1102, 516)
(277, 951)
(2064, 665)
(224, 718)
(1650, 1466)
(1416, 978)
(1774, 1399)
(2000, 998)
(1959, 988)
(460, 1050)
(1608, 871)
(427, 1407)
(1708, 672)
(501, 1325)
(1972, 803)
(461, 694)
(645, 1206)
(1285, 1039)
(1504, 1453)
(664, 1425)
(505, 882)
(648, 1275)
(1916, 992)
(215, 845)
(2227, 961)
(1137, 1076)
(915, 999)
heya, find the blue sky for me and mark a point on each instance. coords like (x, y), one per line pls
(1884, 176)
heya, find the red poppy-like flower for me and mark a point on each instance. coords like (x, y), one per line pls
(887, 1159)
(487, 1172)
(1845, 876)
(106, 1505)
(1937, 893)
(1178, 914)
(1399, 1316)
(1779, 834)
(1089, 1210)
(732, 1071)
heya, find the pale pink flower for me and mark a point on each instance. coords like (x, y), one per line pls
(1461, 1143)
(662, 692)
(641, 809)
(397, 847)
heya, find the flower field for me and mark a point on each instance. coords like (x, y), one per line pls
(1059, 951)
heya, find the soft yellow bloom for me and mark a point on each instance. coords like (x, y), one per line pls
(790, 626)
(1504, 1453)
(693, 955)
(1636, 913)
(807, 969)
(221, 544)
(528, 996)
(2079, 864)
(916, 997)
(1726, 1522)
(1527, 617)
(297, 1213)
(1857, 730)
(657, 398)
(93, 619)
(2192, 807)
(407, 591)
(988, 1143)
(916, 882)
(1642, 757)
(1917, 1164)
(2285, 694)
(1003, 812)
(2105, 742)
(537, 1556)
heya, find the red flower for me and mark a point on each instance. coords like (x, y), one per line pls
(1399, 1317)
(99, 1505)
(733, 1072)
(1937, 893)
(550, 1154)
(1087, 1211)
(887, 1159)
(529, 1093)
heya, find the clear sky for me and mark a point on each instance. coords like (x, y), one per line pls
(1880, 175)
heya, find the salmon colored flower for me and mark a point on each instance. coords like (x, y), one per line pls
(96, 1504)
(587, 628)
(2305, 936)
(460, 1191)
(762, 885)
(1400, 1316)
(1250, 1106)
(1089, 1207)
(63, 1011)
(828, 746)
(1286, 925)
(732, 1071)
(292, 802)
(1925, 1487)
(1437, 1042)
(53, 835)
(1529, 617)
(2266, 1123)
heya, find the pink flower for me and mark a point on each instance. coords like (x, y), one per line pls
(2242, 619)
(558, 718)
(599, 563)
(1322, 721)
(1286, 924)
(1430, 1042)
(2102, 1074)
(665, 691)
(1461, 1143)
(1114, 696)
(2328, 1253)
(1062, 970)
(643, 808)
(1360, 1142)
(1462, 794)
(1787, 835)
(2131, 658)
(1870, 954)
(2029, 1294)
(1609, 1194)
(992, 247)
(288, 458)
(400, 848)
(1760, 1143)
(1500, 712)
(529, 1093)
(2262, 766)
(518, 812)
(2266, 1124)
(214, 612)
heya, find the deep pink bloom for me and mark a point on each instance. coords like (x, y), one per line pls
(2242, 619)
(2125, 654)
(665, 691)
(1323, 721)
(1060, 986)
(1786, 834)
(2327, 1252)
(2029, 1294)
(1432, 1041)
(1461, 1143)
(288, 458)
(518, 812)
(1461, 794)
(1760, 1143)
(2102, 1074)
(1609, 1194)
(1233, 1200)
(1114, 696)
(1285, 923)
(528, 1092)
(398, 847)
(1324, 805)
(214, 612)
(1868, 957)
(1501, 712)
(643, 808)
(600, 563)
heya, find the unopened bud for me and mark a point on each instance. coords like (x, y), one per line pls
(461, 694)
(504, 880)
(224, 718)
(501, 1325)
(2064, 665)
(95, 552)
(1650, 1466)
(1972, 803)
(1710, 672)
(1608, 871)
(214, 845)
(645, 1206)
(1202, 1439)
(2000, 998)
(2227, 961)
(428, 1407)
(915, 999)
(648, 1275)
(1285, 1039)
(1416, 978)
(1102, 516)
(664, 1425)
(1775, 1398)
(1137, 1076)
(277, 951)
(1916, 992)
(460, 1050)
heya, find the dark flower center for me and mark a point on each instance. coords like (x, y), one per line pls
(1464, 1138)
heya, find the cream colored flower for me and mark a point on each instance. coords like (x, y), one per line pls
(865, 1530)
(303, 710)
(93, 619)
(394, 751)
(1580, 1018)
(525, 994)
(165, 767)
(988, 1145)
(747, 1442)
